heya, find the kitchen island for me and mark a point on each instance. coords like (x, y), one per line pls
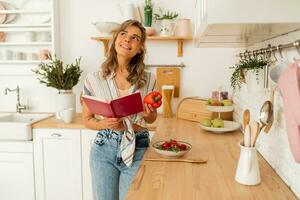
(213, 180)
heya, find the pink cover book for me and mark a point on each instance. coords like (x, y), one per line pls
(117, 108)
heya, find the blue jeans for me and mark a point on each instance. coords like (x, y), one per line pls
(111, 178)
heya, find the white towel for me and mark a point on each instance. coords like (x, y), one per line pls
(127, 146)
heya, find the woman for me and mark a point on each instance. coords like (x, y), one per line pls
(120, 143)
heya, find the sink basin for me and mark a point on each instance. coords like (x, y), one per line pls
(17, 126)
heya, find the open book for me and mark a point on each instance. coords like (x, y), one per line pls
(117, 108)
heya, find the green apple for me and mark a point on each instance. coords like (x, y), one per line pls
(209, 101)
(227, 102)
(206, 122)
(218, 123)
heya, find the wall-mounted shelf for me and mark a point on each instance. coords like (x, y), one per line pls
(179, 39)
(24, 11)
(23, 61)
(22, 29)
(25, 43)
(24, 25)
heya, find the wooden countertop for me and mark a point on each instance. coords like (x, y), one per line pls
(52, 122)
(211, 181)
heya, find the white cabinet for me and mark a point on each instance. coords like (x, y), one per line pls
(87, 138)
(16, 171)
(236, 23)
(57, 159)
(29, 30)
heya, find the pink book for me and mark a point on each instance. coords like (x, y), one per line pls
(117, 108)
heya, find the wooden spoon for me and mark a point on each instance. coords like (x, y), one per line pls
(197, 161)
(246, 118)
(254, 129)
(247, 136)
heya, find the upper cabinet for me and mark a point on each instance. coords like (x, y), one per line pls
(236, 23)
(27, 34)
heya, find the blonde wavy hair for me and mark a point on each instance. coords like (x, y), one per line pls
(136, 67)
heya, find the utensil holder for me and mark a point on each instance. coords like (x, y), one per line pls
(247, 172)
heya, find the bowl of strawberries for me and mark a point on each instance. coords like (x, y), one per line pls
(171, 148)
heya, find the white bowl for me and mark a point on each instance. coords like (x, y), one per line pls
(173, 154)
(228, 127)
(105, 28)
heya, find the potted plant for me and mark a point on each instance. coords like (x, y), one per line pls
(61, 77)
(148, 11)
(167, 24)
(249, 71)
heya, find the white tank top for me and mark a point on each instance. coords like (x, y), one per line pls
(123, 92)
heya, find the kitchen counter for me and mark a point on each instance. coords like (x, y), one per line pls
(52, 122)
(213, 180)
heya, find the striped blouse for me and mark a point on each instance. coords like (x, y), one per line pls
(106, 88)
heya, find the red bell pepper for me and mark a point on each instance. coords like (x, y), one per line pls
(154, 99)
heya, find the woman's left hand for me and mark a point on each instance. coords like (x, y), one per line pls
(149, 113)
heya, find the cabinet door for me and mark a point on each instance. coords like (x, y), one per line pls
(17, 179)
(57, 164)
(87, 137)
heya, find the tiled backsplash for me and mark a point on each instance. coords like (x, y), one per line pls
(274, 146)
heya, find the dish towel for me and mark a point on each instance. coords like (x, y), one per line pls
(127, 145)
(290, 89)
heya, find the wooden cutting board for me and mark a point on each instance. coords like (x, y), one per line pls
(194, 109)
(168, 76)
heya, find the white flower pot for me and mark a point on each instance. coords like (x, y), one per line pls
(167, 27)
(65, 99)
(255, 83)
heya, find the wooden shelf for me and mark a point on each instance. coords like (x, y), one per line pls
(24, 25)
(24, 11)
(25, 43)
(22, 29)
(24, 61)
(105, 40)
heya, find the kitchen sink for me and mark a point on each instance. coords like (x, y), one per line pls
(17, 126)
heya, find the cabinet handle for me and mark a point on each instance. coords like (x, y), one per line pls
(56, 135)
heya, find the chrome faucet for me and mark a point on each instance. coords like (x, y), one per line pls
(19, 107)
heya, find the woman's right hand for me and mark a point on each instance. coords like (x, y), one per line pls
(112, 123)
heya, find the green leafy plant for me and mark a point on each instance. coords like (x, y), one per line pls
(148, 13)
(245, 65)
(165, 15)
(57, 75)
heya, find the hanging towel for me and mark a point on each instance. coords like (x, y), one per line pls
(290, 90)
(127, 146)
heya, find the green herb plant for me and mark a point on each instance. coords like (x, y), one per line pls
(57, 75)
(148, 9)
(245, 65)
(165, 15)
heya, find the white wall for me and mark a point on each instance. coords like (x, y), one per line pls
(273, 146)
(207, 68)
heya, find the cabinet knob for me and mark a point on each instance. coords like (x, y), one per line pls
(56, 135)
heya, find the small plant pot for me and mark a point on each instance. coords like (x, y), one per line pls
(150, 31)
(167, 27)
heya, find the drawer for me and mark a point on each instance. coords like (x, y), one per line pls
(55, 133)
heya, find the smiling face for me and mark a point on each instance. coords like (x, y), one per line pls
(129, 42)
